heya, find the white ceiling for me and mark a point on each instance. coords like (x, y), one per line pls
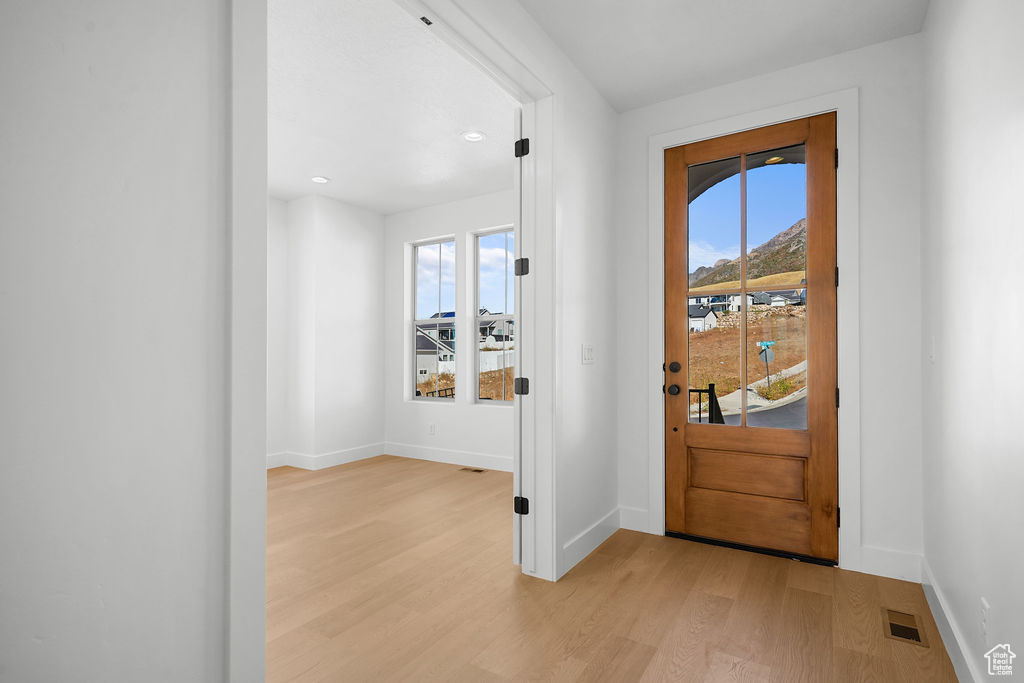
(362, 93)
(637, 52)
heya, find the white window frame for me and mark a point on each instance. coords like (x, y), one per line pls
(479, 319)
(416, 322)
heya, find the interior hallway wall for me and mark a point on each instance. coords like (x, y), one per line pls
(972, 244)
(114, 264)
(326, 333)
(889, 77)
(277, 326)
(466, 431)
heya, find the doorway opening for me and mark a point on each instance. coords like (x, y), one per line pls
(751, 401)
(394, 227)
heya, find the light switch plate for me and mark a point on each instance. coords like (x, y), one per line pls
(587, 354)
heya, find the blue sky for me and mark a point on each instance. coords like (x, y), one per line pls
(776, 199)
(430, 291)
(497, 276)
(497, 253)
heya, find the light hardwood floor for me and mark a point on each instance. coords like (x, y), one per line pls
(398, 569)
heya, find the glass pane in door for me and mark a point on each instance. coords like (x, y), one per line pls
(713, 267)
(776, 348)
(777, 359)
(776, 218)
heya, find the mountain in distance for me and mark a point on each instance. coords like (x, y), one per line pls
(783, 253)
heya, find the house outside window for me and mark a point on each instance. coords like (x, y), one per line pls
(434, 324)
(495, 321)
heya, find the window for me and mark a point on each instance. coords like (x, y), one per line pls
(434, 326)
(495, 256)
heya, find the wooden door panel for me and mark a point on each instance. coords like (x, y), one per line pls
(754, 439)
(741, 518)
(772, 487)
(772, 476)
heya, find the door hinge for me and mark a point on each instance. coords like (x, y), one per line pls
(837, 397)
(837, 516)
(837, 276)
(522, 147)
(837, 157)
(520, 505)
(521, 386)
(522, 266)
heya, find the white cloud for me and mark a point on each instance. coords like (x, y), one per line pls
(492, 258)
(706, 254)
(428, 261)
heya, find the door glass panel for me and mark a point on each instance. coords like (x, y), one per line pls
(776, 218)
(713, 259)
(713, 225)
(777, 359)
(776, 285)
(715, 370)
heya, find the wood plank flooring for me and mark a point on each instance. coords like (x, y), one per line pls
(392, 569)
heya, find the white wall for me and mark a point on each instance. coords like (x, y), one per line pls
(113, 349)
(889, 78)
(277, 326)
(972, 243)
(467, 432)
(326, 326)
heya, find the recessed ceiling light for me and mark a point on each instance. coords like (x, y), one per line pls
(473, 136)
(773, 160)
(323, 180)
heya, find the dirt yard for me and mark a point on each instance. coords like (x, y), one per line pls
(715, 354)
(490, 384)
(445, 380)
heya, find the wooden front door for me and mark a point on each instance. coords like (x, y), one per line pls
(750, 339)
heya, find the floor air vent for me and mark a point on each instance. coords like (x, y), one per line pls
(472, 469)
(903, 626)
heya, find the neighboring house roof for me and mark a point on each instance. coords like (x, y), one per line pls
(700, 311)
(761, 297)
(427, 344)
(444, 314)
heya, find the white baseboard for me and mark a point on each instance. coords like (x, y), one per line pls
(278, 459)
(952, 636)
(894, 564)
(587, 541)
(502, 463)
(306, 461)
(634, 519)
